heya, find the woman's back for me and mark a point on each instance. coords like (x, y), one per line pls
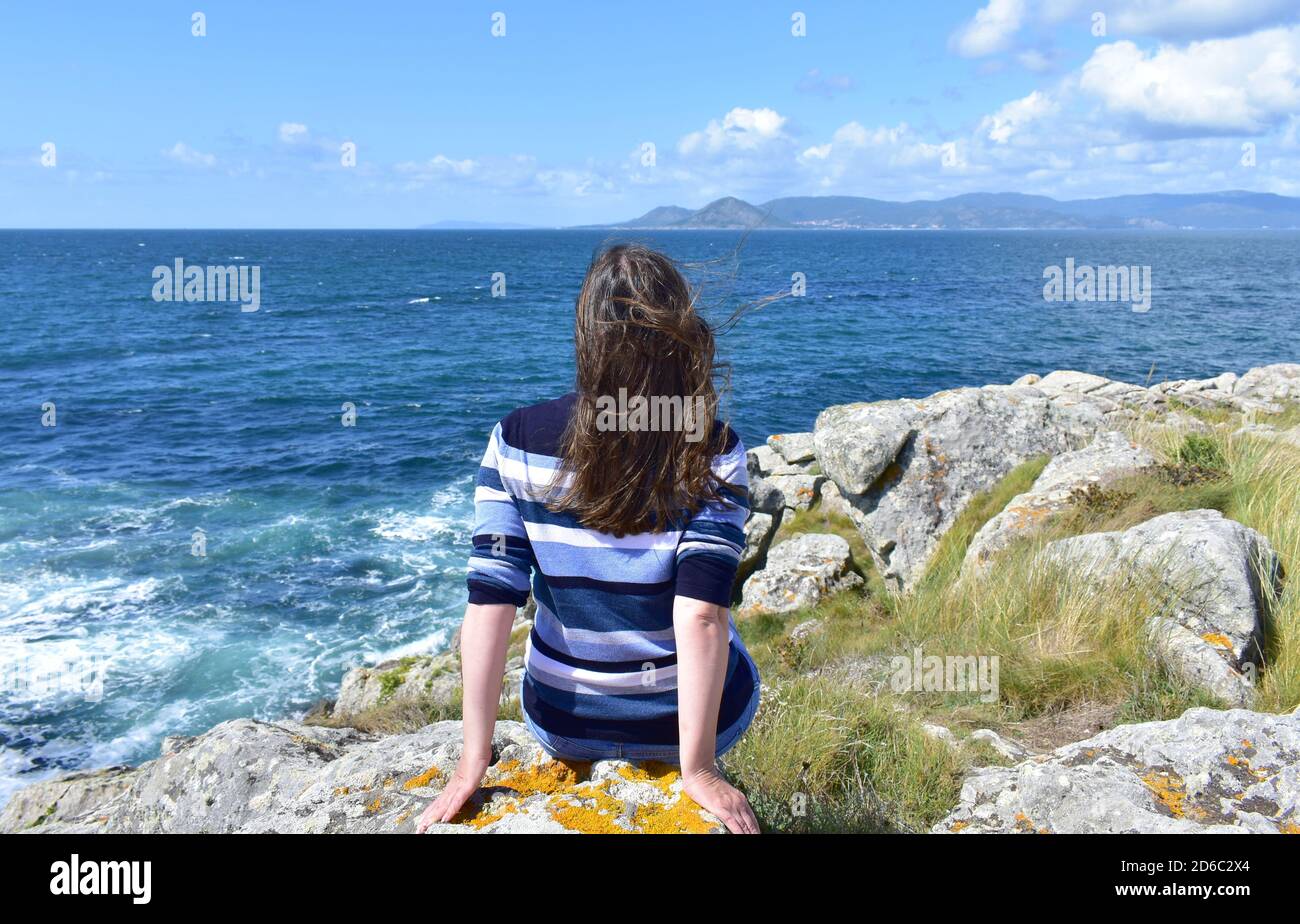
(601, 657)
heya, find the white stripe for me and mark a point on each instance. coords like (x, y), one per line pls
(484, 493)
(728, 550)
(591, 539)
(580, 680)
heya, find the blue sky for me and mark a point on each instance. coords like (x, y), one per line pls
(152, 126)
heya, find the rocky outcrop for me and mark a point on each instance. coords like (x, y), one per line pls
(1217, 579)
(1113, 399)
(1260, 389)
(1209, 771)
(799, 572)
(1108, 458)
(908, 468)
(247, 776)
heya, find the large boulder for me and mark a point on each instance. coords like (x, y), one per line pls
(1102, 462)
(1209, 771)
(909, 467)
(1217, 579)
(799, 572)
(247, 776)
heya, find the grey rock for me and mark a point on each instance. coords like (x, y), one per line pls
(909, 467)
(1270, 384)
(1198, 661)
(1217, 578)
(765, 495)
(1208, 771)
(246, 776)
(759, 529)
(798, 492)
(1106, 459)
(794, 448)
(832, 501)
(764, 460)
(800, 571)
(70, 796)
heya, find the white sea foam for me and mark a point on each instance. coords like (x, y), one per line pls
(410, 527)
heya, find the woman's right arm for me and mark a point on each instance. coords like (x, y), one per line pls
(499, 569)
(484, 638)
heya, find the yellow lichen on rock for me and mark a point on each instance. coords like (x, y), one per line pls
(1168, 790)
(424, 779)
(550, 776)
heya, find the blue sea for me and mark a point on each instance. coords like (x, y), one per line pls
(328, 546)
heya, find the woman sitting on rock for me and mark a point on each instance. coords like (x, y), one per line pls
(625, 503)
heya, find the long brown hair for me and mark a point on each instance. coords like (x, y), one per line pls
(637, 334)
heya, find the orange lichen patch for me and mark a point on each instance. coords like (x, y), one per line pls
(550, 776)
(593, 811)
(680, 817)
(375, 806)
(1288, 827)
(652, 771)
(402, 817)
(1023, 824)
(958, 826)
(389, 782)
(424, 779)
(1218, 640)
(492, 812)
(1168, 790)
(1245, 743)
(342, 790)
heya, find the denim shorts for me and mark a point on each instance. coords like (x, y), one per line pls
(588, 749)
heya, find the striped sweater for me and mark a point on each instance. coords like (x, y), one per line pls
(600, 663)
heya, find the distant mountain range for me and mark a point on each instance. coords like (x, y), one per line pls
(1231, 210)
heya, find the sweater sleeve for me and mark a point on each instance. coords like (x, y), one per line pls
(502, 559)
(708, 553)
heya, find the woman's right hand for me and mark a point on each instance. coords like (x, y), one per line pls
(716, 795)
(470, 770)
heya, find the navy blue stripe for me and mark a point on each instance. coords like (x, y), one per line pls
(609, 667)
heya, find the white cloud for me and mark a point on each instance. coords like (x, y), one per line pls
(741, 129)
(292, 132)
(1016, 115)
(182, 153)
(991, 30)
(437, 166)
(1242, 84)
